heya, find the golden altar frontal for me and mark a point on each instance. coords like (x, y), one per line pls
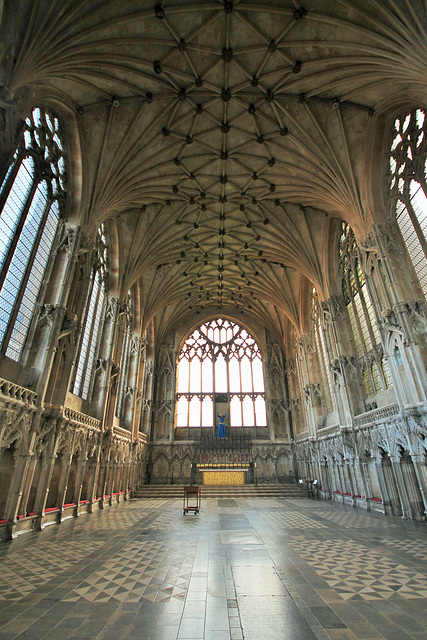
(223, 476)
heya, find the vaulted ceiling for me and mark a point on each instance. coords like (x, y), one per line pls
(222, 137)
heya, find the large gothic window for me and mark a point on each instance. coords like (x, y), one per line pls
(92, 321)
(408, 187)
(31, 199)
(220, 365)
(366, 336)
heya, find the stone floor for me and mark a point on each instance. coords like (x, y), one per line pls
(258, 569)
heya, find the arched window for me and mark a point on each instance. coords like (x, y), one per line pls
(361, 314)
(220, 365)
(92, 321)
(31, 201)
(408, 187)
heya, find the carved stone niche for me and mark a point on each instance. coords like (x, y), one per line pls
(333, 309)
(417, 316)
(68, 235)
(388, 239)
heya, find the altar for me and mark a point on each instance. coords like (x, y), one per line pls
(224, 476)
(223, 461)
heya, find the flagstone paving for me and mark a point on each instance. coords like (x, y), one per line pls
(244, 568)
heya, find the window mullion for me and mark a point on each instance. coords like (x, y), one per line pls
(365, 312)
(83, 325)
(252, 379)
(90, 338)
(188, 393)
(358, 325)
(241, 390)
(17, 233)
(23, 285)
(97, 345)
(417, 227)
(10, 180)
(201, 388)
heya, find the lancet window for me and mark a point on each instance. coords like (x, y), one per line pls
(92, 321)
(125, 356)
(32, 197)
(376, 375)
(220, 365)
(322, 354)
(408, 187)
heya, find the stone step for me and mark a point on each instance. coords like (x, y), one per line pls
(224, 491)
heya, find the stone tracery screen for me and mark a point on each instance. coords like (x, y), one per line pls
(220, 362)
(92, 321)
(364, 327)
(408, 187)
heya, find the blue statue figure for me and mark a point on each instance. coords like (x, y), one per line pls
(221, 426)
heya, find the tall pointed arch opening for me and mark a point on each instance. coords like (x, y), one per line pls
(220, 372)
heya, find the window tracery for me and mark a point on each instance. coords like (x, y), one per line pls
(92, 321)
(32, 198)
(364, 328)
(322, 354)
(220, 359)
(408, 187)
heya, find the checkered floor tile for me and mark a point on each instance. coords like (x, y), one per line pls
(24, 573)
(356, 572)
(151, 570)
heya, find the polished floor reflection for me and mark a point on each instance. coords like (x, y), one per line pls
(245, 568)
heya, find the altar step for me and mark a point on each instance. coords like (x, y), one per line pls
(287, 490)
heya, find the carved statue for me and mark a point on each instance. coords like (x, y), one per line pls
(221, 426)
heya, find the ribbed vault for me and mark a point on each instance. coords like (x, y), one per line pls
(221, 136)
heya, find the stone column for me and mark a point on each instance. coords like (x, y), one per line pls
(401, 488)
(335, 325)
(79, 480)
(404, 312)
(29, 476)
(107, 369)
(364, 478)
(63, 480)
(15, 491)
(53, 317)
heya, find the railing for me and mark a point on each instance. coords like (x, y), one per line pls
(328, 431)
(122, 433)
(232, 452)
(376, 415)
(10, 391)
(81, 419)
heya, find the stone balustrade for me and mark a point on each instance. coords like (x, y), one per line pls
(376, 415)
(81, 419)
(17, 394)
